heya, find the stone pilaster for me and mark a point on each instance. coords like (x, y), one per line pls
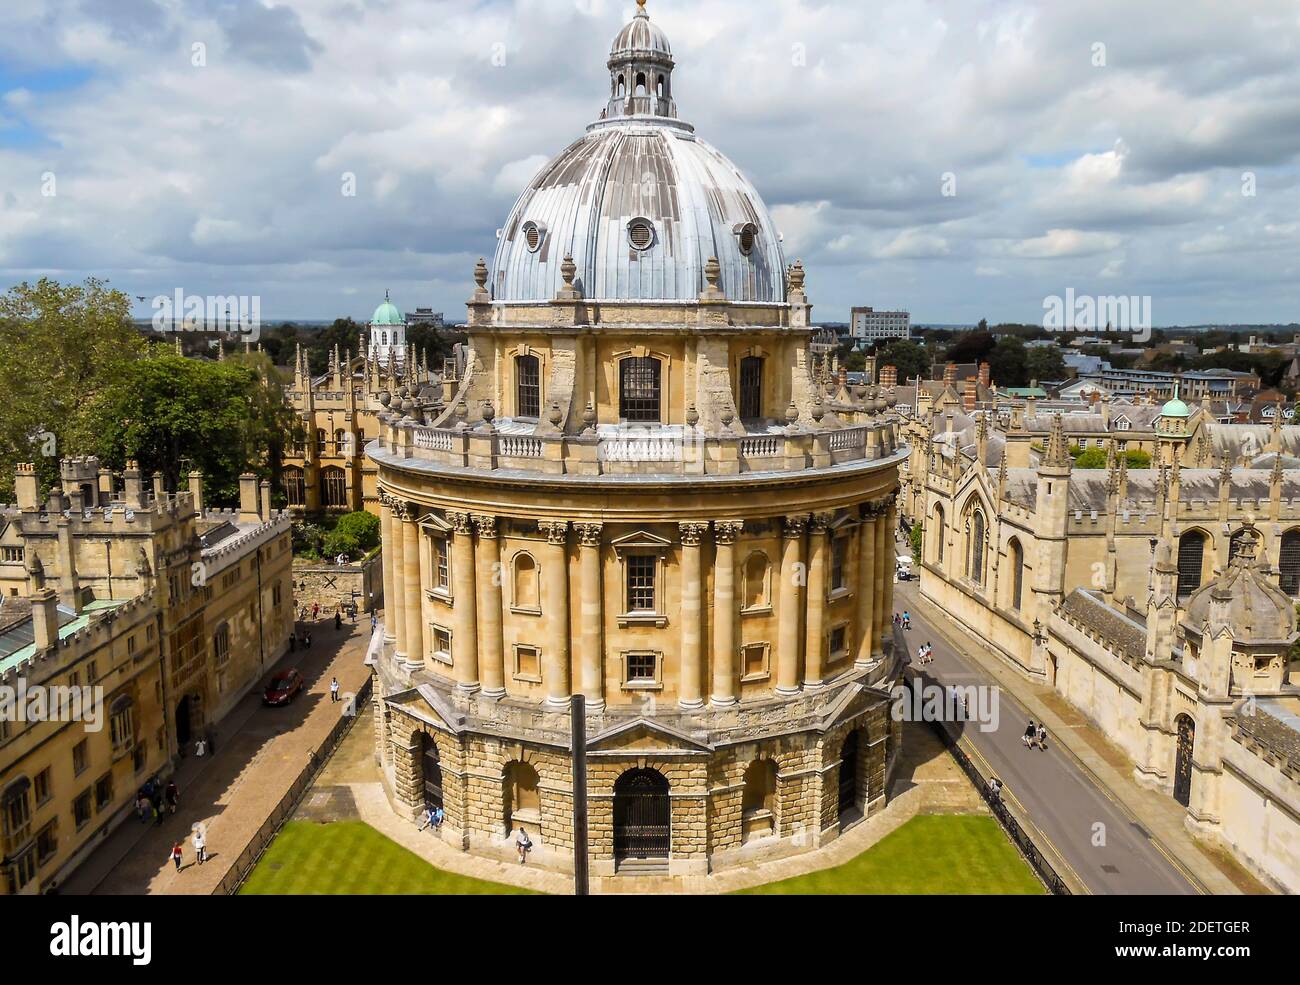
(396, 609)
(691, 687)
(590, 633)
(814, 637)
(555, 612)
(725, 654)
(464, 639)
(412, 606)
(884, 576)
(487, 565)
(790, 601)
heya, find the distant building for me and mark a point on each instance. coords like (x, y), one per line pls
(868, 325)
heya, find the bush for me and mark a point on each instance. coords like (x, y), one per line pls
(362, 527)
(340, 542)
(308, 539)
(916, 542)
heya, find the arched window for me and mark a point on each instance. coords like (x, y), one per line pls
(940, 535)
(756, 580)
(340, 441)
(524, 582)
(640, 84)
(1288, 562)
(659, 87)
(334, 485)
(528, 386)
(751, 388)
(638, 396)
(383, 338)
(975, 562)
(1191, 558)
(523, 799)
(1016, 558)
(294, 493)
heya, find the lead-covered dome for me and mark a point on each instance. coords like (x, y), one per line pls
(640, 202)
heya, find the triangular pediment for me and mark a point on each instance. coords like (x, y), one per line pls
(424, 702)
(433, 522)
(640, 540)
(643, 735)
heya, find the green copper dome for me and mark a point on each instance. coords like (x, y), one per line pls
(387, 314)
(1175, 407)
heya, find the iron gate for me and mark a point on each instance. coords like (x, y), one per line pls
(642, 815)
(1183, 761)
(849, 774)
(432, 773)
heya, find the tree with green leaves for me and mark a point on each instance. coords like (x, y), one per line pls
(1007, 362)
(910, 359)
(1045, 363)
(63, 350)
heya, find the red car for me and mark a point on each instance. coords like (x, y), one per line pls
(284, 687)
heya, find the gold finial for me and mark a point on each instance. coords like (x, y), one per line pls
(641, 5)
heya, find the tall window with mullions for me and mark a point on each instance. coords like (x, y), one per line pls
(528, 388)
(638, 395)
(1288, 562)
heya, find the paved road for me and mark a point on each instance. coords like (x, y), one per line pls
(1049, 788)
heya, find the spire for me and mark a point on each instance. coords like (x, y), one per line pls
(1058, 452)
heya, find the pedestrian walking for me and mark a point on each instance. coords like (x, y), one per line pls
(929, 652)
(338, 621)
(177, 853)
(200, 845)
(315, 610)
(524, 844)
(995, 788)
(142, 808)
(1031, 734)
(334, 689)
(1041, 736)
(907, 619)
(293, 642)
(374, 622)
(172, 797)
(200, 748)
(306, 641)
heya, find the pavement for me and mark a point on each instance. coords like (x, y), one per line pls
(1103, 832)
(260, 753)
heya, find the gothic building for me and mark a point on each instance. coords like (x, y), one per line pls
(645, 489)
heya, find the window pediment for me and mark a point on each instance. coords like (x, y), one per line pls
(640, 540)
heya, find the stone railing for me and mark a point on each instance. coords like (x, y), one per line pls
(648, 450)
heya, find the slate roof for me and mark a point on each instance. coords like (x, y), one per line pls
(1119, 631)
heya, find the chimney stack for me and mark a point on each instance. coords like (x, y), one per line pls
(266, 500)
(986, 378)
(159, 490)
(889, 377)
(248, 498)
(45, 605)
(950, 374)
(134, 486)
(105, 486)
(970, 397)
(26, 487)
(196, 490)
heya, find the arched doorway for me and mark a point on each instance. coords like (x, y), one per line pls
(1183, 759)
(849, 775)
(758, 801)
(184, 720)
(642, 815)
(430, 770)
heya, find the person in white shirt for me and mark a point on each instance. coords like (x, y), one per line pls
(200, 845)
(524, 844)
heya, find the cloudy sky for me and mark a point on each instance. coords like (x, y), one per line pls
(1138, 147)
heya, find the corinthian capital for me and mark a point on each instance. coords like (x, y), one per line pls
(821, 522)
(462, 523)
(726, 531)
(691, 532)
(796, 525)
(486, 526)
(588, 533)
(557, 531)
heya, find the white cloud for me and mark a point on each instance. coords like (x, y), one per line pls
(1065, 243)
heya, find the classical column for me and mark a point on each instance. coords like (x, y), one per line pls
(591, 653)
(724, 612)
(464, 631)
(555, 612)
(866, 583)
(395, 609)
(884, 578)
(412, 609)
(487, 566)
(890, 523)
(792, 576)
(691, 687)
(814, 638)
(386, 538)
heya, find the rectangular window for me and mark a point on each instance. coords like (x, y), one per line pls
(838, 641)
(130, 645)
(529, 392)
(839, 554)
(43, 789)
(441, 565)
(221, 646)
(104, 791)
(12, 555)
(641, 582)
(47, 842)
(17, 819)
(642, 669)
(638, 398)
(442, 644)
(81, 809)
(754, 661)
(122, 728)
(92, 672)
(24, 869)
(140, 756)
(79, 758)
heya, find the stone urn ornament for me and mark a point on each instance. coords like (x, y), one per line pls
(692, 415)
(556, 416)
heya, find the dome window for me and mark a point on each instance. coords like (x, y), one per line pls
(534, 235)
(746, 235)
(641, 234)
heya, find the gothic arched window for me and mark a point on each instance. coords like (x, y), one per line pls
(1191, 557)
(975, 563)
(1016, 556)
(1288, 562)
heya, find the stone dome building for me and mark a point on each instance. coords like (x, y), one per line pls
(650, 488)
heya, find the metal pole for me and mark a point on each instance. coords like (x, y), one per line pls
(578, 736)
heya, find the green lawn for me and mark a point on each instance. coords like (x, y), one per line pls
(350, 858)
(932, 854)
